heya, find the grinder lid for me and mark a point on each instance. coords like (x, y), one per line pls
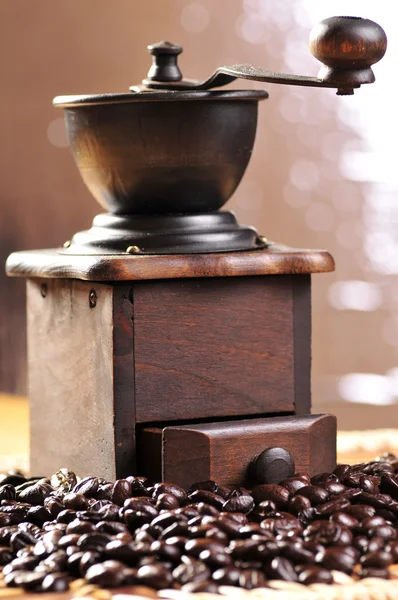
(165, 82)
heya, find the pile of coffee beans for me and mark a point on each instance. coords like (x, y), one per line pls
(131, 532)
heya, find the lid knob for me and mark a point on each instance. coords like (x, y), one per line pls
(164, 62)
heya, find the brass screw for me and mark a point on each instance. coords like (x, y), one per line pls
(133, 250)
(67, 244)
(261, 240)
(92, 299)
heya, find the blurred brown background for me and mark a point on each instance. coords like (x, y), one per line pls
(322, 174)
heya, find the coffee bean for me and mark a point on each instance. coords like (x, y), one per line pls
(7, 492)
(271, 491)
(281, 568)
(240, 503)
(192, 570)
(378, 559)
(55, 582)
(360, 511)
(107, 574)
(166, 502)
(374, 572)
(387, 532)
(34, 494)
(207, 497)
(339, 559)
(5, 555)
(332, 506)
(75, 501)
(169, 488)
(121, 491)
(315, 494)
(345, 519)
(293, 484)
(29, 581)
(315, 574)
(341, 470)
(227, 576)
(333, 487)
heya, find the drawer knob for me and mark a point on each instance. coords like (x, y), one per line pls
(271, 466)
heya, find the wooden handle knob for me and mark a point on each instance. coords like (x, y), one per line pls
(271, 466)
(347, 46)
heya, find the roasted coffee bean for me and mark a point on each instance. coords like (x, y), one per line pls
(38, 515)
(57, 561)
(169, 488)
(379, 559)
(209, 485)
(387, 532)
(240, 503)
(95, 541)
(7, 492)
(339, 559)
(166, 502)
(173, 530)
(333, 487)
(29, 581)
(121, 491)
(88, 486)
(315, 574)
(207, 497)
(63, 480)
(107, 574)
(120, 551)
(341, 470)
(196, 546)
(55, 582)
(281, 568)
(227, 576)
(375, 544)
(104, 491)
(154, 576)
(298, 503)
(315, 494)
(88, 559)
(205, 586)
(5, 555)
(53, 505)
(271, 491)
(21, 539)
(66, 516)
(75, 501)
(112, 527)
(293, 484)
(297, 554)
(360, 511)
(332, 506)
(79, 527)
(388, 485)
(323, 478)
(13, 478)
(343, 518)
(374, 572)
(189, 571)
(34, 494)
(220, 536)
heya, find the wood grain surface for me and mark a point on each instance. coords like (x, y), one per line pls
(276, 259)
(208, 348)
(75, 380)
